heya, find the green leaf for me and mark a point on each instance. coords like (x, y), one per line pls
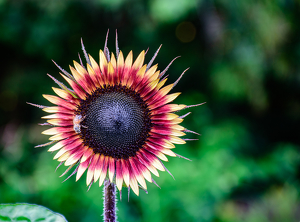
(23, 212)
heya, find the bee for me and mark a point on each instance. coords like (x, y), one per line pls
(76, 123)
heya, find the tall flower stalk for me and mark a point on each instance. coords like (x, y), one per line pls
(109, 211)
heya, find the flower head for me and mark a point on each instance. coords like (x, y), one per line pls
(115, 120)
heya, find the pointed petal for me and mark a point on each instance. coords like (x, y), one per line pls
(139, 61)
(64, 157)
(157, 153)
(143, 169)
(110, 73)
(120, 65)
(96, 69)
(75, 157)
(65, 142)
(93, 76)
(119, 176)
(60, 122)
(162, 92)
(57, 146)
(177, 140)
(166, 116)
(138, 175)
(153, 160)
(77, 88)
(134, 184)
(139, 76)
(98, 168)
(90, 172)
(151, 71)
(59, 116)
(147, 164)
(81, 80)
(113, 61)
(58, 109)
(65, 95)
(83, 72)
(82, 167)
(128, 60)
(125, 172)
(168, 108)
(163, 101)
(103, 64)
(167, 122)
(58, 101)
(89, 152)
(111, 170)
(104, 171)
(57, 130)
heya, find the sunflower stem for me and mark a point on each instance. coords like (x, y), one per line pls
(109, 201)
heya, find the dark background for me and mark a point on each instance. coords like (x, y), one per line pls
(244, 59)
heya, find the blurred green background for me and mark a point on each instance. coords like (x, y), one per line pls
(244, 59)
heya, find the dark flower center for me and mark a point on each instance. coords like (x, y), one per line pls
(116, 122)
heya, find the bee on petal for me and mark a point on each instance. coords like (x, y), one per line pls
(76, 123)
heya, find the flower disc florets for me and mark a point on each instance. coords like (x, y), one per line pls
(117, 121)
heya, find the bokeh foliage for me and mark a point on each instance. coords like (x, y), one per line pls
(244, 59)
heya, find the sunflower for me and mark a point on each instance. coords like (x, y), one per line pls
(115, 121)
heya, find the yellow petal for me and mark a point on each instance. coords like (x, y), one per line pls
(51, 131)
(151, 71)
(154, 76)
(177, 121)
(110, 72)
(128, 60)
(51, 109)
(161, 156)
(134, 185)
(78, 77)
(176, 140)
(153, 170)
(102, 178)
(139, 61)
(168, 152)
(171, 116)
(59, 153)
(153, 84)
(178, 127)
(113, 61)
(156, 163)
(142, 71)
(79, 68)
(164, 91)
(103, 60)
(168, 144)
(120, 60)
(52, 99)
(57, 137)
(80, 171)
(141, 180)
(171, 97)
(64, 157)
(52, 116)
(97, 170)
(161, 83)
(147, 175)
(177, 133)
(60, 92)
(57, 146)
